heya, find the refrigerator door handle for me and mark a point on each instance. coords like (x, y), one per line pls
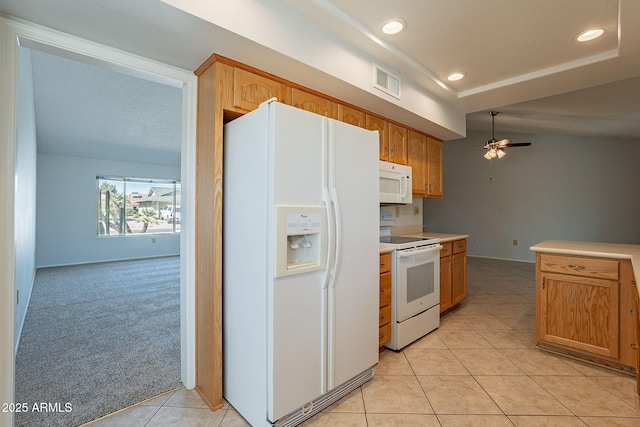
(338, 236)
(329, 270)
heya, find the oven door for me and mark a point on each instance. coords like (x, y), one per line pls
(417, 284)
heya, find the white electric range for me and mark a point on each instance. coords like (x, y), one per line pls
(415, 301)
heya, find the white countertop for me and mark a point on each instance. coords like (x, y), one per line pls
(603, 250)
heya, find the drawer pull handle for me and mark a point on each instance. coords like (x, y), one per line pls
(632, 311)
(634, 346)
(577, 267)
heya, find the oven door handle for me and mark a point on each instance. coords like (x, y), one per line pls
(405, 254)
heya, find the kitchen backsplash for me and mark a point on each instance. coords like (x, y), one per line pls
(409, 215)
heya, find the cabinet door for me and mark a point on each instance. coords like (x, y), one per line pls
(314, 103)
(249, 89)
(385, 289)
(384, 324)
(417, 159)
(397, 144)
(628, 315)
(459, 276)
(434, 168)
(579, 313)
(446, 292)
(351, 115)
(376, 123)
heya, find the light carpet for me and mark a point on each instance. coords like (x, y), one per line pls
(98, 338)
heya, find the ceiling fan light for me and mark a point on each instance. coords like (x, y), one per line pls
(393, 26)
(590, 34)
(491, 154)
(501, 153)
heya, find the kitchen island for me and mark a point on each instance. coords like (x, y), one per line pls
(587, 301)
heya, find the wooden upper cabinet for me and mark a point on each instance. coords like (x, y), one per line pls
(379, 124)
(397, 144)
(434, 167)
(417, 159)
(314, 103)
(351, 115)
(250, 89)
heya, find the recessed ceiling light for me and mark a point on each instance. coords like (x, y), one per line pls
(393, 26)
(455, 77)
(590, 34)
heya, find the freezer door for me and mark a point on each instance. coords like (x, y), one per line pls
(296, 375)
(354, 294)
(296, 321)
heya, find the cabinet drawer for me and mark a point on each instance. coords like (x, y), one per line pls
(385, 315)
(384, 334)
(385, 262)
(446, 249)
(459, 246)
(385, 289)
(598, 268)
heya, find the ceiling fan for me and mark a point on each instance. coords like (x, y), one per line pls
(496, 147)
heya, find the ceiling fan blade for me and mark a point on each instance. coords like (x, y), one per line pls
(517, 144)
(503, 142)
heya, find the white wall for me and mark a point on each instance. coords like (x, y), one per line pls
(66, 220)
(25, 194)
(561, 187)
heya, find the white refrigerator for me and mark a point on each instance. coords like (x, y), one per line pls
(301, 262)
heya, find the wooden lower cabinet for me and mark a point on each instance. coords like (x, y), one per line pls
(453, 273)
(459, 277)
(587, 306)
(385, 299)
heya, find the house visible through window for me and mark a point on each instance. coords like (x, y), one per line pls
(129, 206)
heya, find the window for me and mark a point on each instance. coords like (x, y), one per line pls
(128, 206)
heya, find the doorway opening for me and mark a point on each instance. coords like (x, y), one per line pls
(182, 83)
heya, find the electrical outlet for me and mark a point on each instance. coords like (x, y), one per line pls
(416, 211)
(515, 243)
(153, 240)
(397, 211)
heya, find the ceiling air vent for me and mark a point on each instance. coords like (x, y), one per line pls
(386, 81)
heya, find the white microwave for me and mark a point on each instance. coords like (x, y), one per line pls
(395, 184)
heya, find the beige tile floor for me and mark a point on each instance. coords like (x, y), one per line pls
(480, 368)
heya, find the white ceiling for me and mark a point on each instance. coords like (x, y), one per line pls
(519, 56)
(89, 111)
